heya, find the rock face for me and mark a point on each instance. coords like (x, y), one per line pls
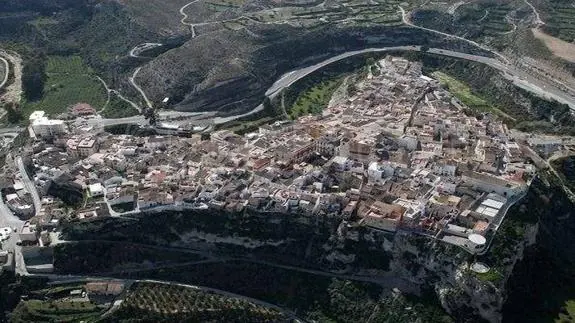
(404, 260)
(543, 280)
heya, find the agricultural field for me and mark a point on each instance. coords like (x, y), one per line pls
(475, 20)
(157, 302)
(69, 81)
(559, 17)
(55, 311)
(313, 297)
(360, 13)
(315, 99)
(464, 94)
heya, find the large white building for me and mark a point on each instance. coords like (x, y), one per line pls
(44, 127)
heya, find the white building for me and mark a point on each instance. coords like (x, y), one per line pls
(491, 184)
(378, 171)
(341, 163)
(96, 190)
(44, 127)
(36, 115)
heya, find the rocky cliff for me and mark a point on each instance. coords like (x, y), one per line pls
(544, 280)
(339, 246)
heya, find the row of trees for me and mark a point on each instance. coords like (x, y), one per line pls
(162, 302)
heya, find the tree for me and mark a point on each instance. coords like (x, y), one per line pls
(33, 77)
(351, 89)
(13, 113)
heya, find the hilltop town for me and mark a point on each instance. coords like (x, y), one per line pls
(398, 153)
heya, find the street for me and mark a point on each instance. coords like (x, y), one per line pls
(29, 185)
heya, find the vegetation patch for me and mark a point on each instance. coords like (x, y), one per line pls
(314, 99)
(492, 275)
(565, 167)
(118, 108)
(567, 313)
(464, 94)
(55, 311)
(68, 81)
(155, 302)
(313, 297)
(560, 20)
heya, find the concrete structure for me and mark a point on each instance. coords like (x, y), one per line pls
(28, 233)
(96, 190)
(43, 127)
(475, 242)
(492, 184)
(383, 216)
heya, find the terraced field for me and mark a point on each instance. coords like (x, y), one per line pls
(495, 23)
(559, 17)
(347, 12)
(69, 81)
(156, 302)
(55, 311)
(474, 20)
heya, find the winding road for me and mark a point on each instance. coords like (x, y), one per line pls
(542, 87)
(29, 185)
(518, 77)
(185, 17)
(110, 91)
(405, 18)
(538, 20)
(135, 52)
(139, 89)
(6, 72)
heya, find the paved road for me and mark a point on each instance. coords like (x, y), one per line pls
(8, 219)
(6, 72)
(162, 114)
(518, 77)
(405, 18)
(138, 88)
(29, 185)
(15, 130)
(135, 52)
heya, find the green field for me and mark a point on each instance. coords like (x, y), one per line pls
(55, 311)
(314, 99)
(463, 92)
(118, 108)
(69, 81)
(559, 19)
(491, 276)
(568, 312)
